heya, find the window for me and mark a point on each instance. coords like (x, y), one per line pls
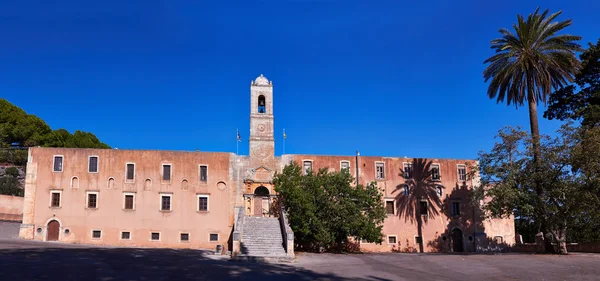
(418, 240)
(405, 190)
(125, 235)
(380, 170)
(261, 104)
(58, 164)
(202, 203)
(498, 239)
(184, 237)
(345, 166)
(130, 172)
(435, 172)
(92, 200)
(214, 237)
(307, 166)
(55, 199)
(423, 208)
(408, 171)
(93, 164)
(462, 172)
(456, 208)
(155, 236)
(389, 207)
(129, 201)
(166, 172)
(165, 202)
(203, 173)
(392, 239)
(96, 234)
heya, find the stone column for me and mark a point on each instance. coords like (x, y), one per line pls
(28, 227)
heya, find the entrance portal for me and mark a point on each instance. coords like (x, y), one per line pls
(52, 231)
(261, 201)
(457, 240)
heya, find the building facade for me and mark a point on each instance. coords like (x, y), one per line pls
(176, 199)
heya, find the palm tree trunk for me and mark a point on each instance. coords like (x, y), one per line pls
(537, 158)
(419, 226)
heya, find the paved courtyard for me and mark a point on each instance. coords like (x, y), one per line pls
(27, 260)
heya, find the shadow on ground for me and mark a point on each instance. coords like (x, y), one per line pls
(141, 264)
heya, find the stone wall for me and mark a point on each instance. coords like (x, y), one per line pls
(11, 208)
(571, 248)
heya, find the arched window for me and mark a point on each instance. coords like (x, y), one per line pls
(74, 182)
(111, 183)
(261, 191)
(148, 184)
(261, 104)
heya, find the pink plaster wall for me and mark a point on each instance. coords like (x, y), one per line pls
(11, 208)
(110, 216)
(404, 227)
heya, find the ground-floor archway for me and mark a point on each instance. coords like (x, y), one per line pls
(457, 240)
(52, 230)
(261, 201)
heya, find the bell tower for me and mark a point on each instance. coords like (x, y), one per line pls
(262, 143)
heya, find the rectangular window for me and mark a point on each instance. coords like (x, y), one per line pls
(345, 166)
(184, 237)
(462, 172)
(203, 173)
(130, 172)
(92, 200)
(165, 202)
(498, 240)
(435, 172)
(423, 208)
(96, 234)
(389, 207)
(380, 170)
(307, 166)
(125, 235)
(392, 239)
(55, 199)
(408, 171)
(93, 164)
(129, 203)
(155, 236)
(58, 163)
(166, 172)
(202, 203)
(214, 237)
(418, 240)
(456, 208)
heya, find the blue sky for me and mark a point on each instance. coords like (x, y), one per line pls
(386, 78)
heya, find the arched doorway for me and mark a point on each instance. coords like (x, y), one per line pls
(457, 240)
(52, 230)
(261, 200)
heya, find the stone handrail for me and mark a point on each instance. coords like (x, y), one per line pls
(238, 229)
(286, 231)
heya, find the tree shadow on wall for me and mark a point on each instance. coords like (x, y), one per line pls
(417, 199)
(465, 230)
(142, 264)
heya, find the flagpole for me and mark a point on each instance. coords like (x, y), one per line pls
(237, 142)
(284, 137)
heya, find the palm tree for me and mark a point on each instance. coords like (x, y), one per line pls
(532, 63)
(418, 187)
(528, 66)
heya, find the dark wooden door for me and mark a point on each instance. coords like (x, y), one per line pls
(258, 206)
(457, 241)
(52, 232)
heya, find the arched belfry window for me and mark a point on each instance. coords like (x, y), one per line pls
(261, 104)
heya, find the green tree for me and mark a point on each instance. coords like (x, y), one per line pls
(9, 182)
(528, 65)
(511, 173)
(325, 209)
(581, 100)
(421, 188)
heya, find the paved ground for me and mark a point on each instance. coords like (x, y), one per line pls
(27, 260)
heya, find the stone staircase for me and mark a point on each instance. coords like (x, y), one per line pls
(262, 238)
